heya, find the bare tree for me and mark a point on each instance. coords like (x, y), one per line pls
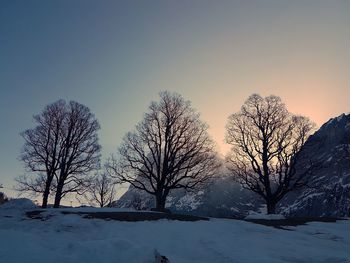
(102, 191)
(80, 151)
(42, 150)
(169, 149)
(266, 140)
(61, 150)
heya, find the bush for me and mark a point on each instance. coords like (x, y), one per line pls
(3, 198)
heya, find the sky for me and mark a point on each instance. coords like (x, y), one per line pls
(116, 56)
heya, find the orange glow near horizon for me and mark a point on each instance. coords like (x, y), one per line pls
(309, 95)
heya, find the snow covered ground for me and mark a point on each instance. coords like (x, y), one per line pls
(265, 216)
(70, 238)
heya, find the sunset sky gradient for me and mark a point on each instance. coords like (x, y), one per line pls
(115, 57)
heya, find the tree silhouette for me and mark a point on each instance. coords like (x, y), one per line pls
(101, 191)
(42, 150)
(169, 149)
(61, 150)
(266, 140)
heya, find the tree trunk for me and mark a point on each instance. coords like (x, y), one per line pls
(45, 199)
(46, 193)
(160, 202)
(271, 207)
(58, 195)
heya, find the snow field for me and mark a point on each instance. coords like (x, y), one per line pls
(70, 238)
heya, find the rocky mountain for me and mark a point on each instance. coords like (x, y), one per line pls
(328, 191)
(221, 197)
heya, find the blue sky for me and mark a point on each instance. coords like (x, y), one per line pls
(115, 56)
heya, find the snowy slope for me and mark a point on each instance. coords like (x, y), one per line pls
(70, 238)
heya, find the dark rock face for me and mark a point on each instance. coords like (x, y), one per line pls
(220, 198)
(328, 193)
